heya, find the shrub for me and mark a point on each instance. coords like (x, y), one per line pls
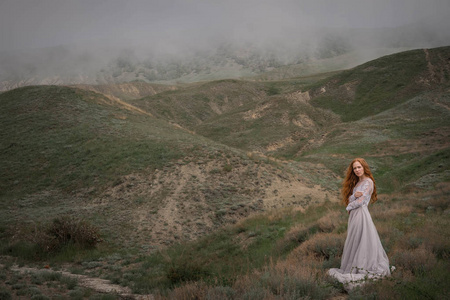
(37, 279)
(402, 285)
(227, 168)
(418, 261)
(39, 297)
(2, 275)
(5, 295)
(103, 297)
(194, 290)
(67, 230)
(220, 292)
(76, 294)
(431, 234)
(50, 276)
(185, 271)
(273, 90)
(298, 233)
(323, 245)
(294, 281)
(70, 282)
(330, 221)
(33, 291)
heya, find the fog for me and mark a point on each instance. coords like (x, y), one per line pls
(52, 36)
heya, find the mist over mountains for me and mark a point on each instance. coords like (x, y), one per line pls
(107, 61)
(74, 42)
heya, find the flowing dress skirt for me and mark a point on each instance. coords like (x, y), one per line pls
(363, 257)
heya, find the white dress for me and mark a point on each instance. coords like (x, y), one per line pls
(363, 256)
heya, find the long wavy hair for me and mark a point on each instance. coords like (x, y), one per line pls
(351, 180)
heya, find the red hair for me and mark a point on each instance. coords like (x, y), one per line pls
(351, 180)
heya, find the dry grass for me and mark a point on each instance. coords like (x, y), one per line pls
(416, 243)
(330, 221)
(415, 240)
(416, 260)
(194, 290)
(384, 213)
(298, 232)
(321, 245)
(282, 280)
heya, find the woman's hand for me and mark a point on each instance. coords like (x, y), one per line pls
(358, 194)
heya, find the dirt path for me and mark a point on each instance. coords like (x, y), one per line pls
(97, 284)
(437, 71)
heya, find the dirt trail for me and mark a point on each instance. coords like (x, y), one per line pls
(97, 284)
(437, 71)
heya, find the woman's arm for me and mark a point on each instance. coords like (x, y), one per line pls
(362, 195)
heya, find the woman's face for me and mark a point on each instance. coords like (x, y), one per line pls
(358, 169)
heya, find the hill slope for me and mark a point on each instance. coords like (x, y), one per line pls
(145, 182)
(141, 179)
(383, 83)
(139, 166)
(396, 113)
(385, 106)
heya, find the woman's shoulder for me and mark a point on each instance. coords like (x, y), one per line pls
(366, 181)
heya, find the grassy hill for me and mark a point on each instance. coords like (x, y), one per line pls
(395, 112)
(67, 138)
(141, 179)
(385, 106)
(227, 189)
(127, 91)
(383, 83)
(254, 116)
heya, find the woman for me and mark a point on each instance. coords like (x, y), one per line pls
(363, 256)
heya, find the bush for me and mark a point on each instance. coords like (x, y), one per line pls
(418, 261)
(192, 290)
(103, 297)
(273, 90)
(298, 233)
(227, 168)
(330, 221)
(5, 295)
(323, 245)
(220, 292)
(184, 272)
(289, 280)
(68, 230)
(295, 236)
(70, 282)
(40, 297)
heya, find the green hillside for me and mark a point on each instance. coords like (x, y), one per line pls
(70, 151)
(383, 83)
(65, 138)
(253, 116)
(407, 146)
(229, 189)
(386, 106)
(199, 102)
(396, 114)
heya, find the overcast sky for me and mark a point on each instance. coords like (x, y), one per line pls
(42, 23)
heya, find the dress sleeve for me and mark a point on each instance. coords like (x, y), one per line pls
(367, 189)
